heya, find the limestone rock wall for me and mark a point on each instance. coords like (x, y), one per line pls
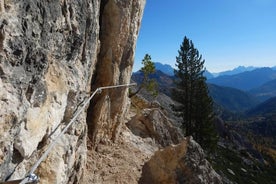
(120, 22)
(52, 55)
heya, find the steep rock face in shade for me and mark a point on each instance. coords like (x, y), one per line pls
(182, 163)
(52, 55)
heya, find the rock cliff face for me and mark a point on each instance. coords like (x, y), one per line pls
(120, 22)
(52, 55)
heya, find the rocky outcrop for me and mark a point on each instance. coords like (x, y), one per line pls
(52, 55)
(152, 123)
(171, 158)
(182, 163)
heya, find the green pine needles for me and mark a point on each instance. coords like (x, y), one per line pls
(147, 83)
(191, 92)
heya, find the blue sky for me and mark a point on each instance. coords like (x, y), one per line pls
(227, 33)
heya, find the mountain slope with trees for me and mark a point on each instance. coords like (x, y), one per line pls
(231, 99)
(145, 81)
(267, 108)
(164, 81)
(266, 91)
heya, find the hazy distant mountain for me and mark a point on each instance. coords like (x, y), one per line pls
(265, 91)
(208, 74)
(237, 70)
(246, 80)
(267, 108)
(231, 99)
(168, 69)
(165, 68)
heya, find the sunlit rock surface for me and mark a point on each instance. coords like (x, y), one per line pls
(182, 163)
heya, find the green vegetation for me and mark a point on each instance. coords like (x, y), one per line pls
(227, 160)
(147, 83)
(191, 92)
(248, 149)
(267, 108)
(232, 99)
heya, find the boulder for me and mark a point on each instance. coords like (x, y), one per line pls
(181, 163)
(153, 123)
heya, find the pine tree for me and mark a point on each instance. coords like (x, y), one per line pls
(147, 83)
(191, 92)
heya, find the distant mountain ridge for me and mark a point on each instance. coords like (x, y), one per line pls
(165, 68)
(246, 80)
(237, 70)
(169, 70)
